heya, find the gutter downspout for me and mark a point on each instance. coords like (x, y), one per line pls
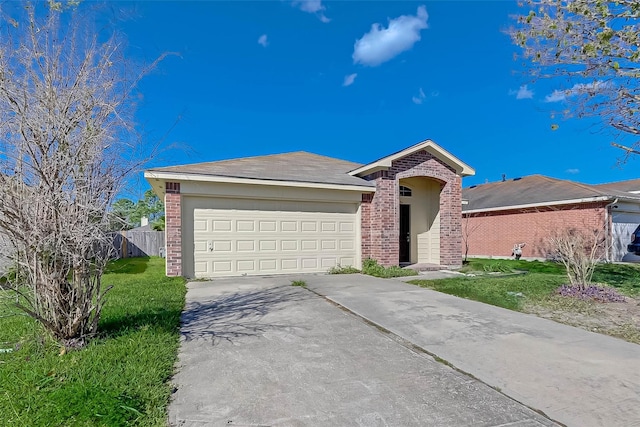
(608, 217)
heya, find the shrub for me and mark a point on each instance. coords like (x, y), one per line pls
(372, 268)
(579, 251)
(339, 269)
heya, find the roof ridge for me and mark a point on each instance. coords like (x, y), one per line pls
(617, 182)
(588, 187)
(253, 157)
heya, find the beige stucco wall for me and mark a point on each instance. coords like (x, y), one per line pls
(425, 219)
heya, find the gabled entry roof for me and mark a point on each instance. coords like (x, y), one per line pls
(429, 146)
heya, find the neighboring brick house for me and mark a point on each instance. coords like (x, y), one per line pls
(498, 215)
(301, 212)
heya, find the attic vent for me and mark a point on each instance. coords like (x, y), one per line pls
(473, 186)
(517, 179)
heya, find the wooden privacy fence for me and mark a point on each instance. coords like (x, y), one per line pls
(132, 244)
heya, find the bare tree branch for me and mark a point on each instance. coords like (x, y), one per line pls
(66, 123)
(595, 45)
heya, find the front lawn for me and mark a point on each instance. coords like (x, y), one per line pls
(120, 378)
(530, 286)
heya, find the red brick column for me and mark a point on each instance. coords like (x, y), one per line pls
(384, 220)
(365, 226)
(173, 229)
(451, 223)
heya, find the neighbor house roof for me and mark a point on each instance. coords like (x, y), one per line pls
(630, 186)
(429, 146)
(537, 190)
(300, 167)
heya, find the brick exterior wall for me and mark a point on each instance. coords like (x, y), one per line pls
(380, 212)
(173, 229)
(493, 234)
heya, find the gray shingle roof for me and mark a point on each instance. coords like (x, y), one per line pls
(537, 189)
(631, 185)
(298, 166)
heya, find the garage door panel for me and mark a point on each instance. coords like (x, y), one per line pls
(289, 245)
(347, 261)
(246, 266)
(233, 241)
(245, 225)
(309, 226)
(246, 246)
(222, 266)
(290, 265)
(288, 226)
(346, 245)
(201, 267)
(328, 244)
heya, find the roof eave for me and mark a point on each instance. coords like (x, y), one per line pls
(542, 204)
(158, 175)
(385, 163)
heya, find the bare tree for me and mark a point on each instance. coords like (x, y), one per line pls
(468, 229)
(596, 46)
(66, 145)
(579, 250)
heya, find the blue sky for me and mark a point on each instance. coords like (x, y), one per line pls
(357, 80)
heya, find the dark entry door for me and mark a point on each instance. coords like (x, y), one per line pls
(405, 233)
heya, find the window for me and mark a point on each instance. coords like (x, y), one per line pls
(405, 191)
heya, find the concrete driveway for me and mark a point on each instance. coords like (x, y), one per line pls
(576, 377)
(259, 352)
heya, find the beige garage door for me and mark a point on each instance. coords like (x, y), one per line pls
(255, 241)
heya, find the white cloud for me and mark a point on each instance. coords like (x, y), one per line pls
(348, 80)
(555, 96)
(523, 92)
(573, 171)
(577, 89)
(419, 98)
(262, 40)
(312, 6)
(382, 44)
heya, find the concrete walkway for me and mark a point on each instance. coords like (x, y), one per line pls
(259, 352)
(576, 377)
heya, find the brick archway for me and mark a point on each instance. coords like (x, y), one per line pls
(380, 211)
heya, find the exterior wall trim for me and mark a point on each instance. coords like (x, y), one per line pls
(537, 205)
(225, 179)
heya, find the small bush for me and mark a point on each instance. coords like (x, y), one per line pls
(300, 283)
(595, 293)
(372, 268)
(339, 269)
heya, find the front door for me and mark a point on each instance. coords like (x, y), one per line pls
(405, 233)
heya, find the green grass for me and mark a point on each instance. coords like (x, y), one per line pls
(505, 265)
(500, 291)
(536, 286)
(300, 283)
(372, 268)
(120, 378)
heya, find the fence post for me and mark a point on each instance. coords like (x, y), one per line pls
(123, 245)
